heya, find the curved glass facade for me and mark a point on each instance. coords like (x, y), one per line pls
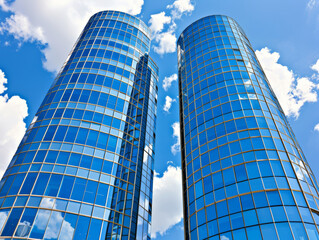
(244, 174)
(84, 169)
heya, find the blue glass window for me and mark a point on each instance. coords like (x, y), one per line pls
(12, 222)
(212, 228)
(298, 231)
(66, 187)
(268, 231)
(41, 184)
(53, 186)
(237, 220)
(224, 224)
(28, 183)
(26, 222)
(16, 184)
(292, 213)
(81, 228)
(312, 231)
(40, 224)
(55, 223)
(95, 228)
(247, 202)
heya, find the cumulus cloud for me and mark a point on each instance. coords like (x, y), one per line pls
(177, 135)
(54, 226)
(157, 22)
(3, 81)
(316, 128)
(20, 27)
(315, 67)
(12, 127)
(311, 4)
(66, 231)
(167, 82)
(166, 43)
(3, 5)
(168, 103)
(166, 40)
(292, 92)
(167, 204)
(42, 21)
(181, 6)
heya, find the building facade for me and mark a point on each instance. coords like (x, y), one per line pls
(244, 174)
(84, 169)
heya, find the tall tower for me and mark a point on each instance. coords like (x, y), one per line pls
(244, 174)
(84, 169)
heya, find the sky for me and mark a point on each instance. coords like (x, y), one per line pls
(37, 35)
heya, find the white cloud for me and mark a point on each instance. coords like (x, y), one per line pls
(224, 238)
(292, 92)
(177, 135)
(166, 40)
(54, 226)
(3, 81)
(3, 218)
(66, 231)
(158, 21)
(316, 128)
(3, 5)
(19, 26)
(47, 203)
(181, 6)
(167, 204)
(168, 103)
(12, 127)
(166, 43)
(42, 219)
(57, 23)
(311, 4)
(167, 82)
(315, 67)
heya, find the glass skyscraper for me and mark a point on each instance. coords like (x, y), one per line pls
(244, 174)
(84, 169)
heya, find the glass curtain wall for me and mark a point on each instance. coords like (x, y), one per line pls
(84, 169)
(244, 174)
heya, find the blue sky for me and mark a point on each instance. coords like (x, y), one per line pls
(37, 35)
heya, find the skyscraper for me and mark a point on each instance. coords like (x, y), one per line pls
(244, 174)
(84, 168)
